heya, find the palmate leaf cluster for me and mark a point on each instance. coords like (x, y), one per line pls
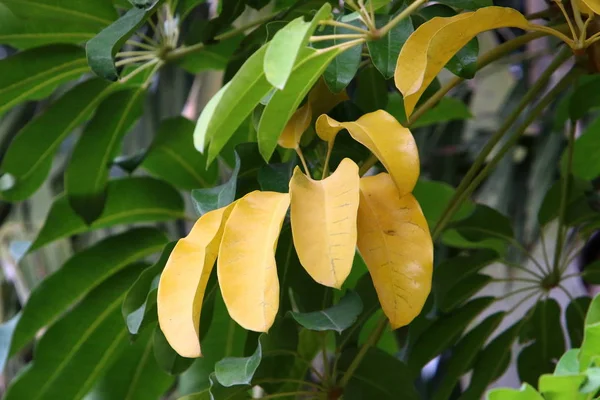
(318, 101)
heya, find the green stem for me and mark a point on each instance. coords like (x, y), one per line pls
(519, 267)
(564, 194)
(339, 24)
(326, 375)
(521, 290)
(544, 251)
(515, 280)
(404, 14)
(288, 394)
(138, 70)
(371, 341)
(520, 303)
(132, 60)
(335, 37)
(468, 183)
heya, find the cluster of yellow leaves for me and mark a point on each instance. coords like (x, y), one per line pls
(330, 218)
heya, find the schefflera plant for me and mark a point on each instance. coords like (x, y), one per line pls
(330, 217)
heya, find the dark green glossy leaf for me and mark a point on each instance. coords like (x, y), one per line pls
(586, 164)
(444, 332)
(368, 296)
(309, 345)
(209, 199)
(172, 157)
(384, 51)
(276, 177)
(464, 353)
(94, 13)
(143, 3)
(343, 67)
(378, 376)
(211, 57)
(135, 375)
(75, 351)
(463, 291)
(551, 204)
(538, 358)
(485, 223)
(86, 176)
(187, 6)
(434, 197)
(220, 392)
(484, 371)
(450, 273)
(70, 283)
(337, 318)
(129, 200)
(167, 358)
(584, 98)
(371, 94)
(468, 4)
(284, 103)
(284, 49)
(102, 48)
(591, 273)
(575, 316)
(232, 371)
(25, 33)
(224, 338)
(33, 74)
(141, 296)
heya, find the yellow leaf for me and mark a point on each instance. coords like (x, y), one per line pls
(394, 241)
(295, 127)
(589, 7)
(392, 143)
(183, 282)
(323, 216)
(436, 41)
(246, 266)
(323, 100)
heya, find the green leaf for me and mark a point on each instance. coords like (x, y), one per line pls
(384, 51)
(575, 316)
(450, 273)
(585, 97)
(485, 223)
(562, 387)
(526, 392)
(337, 318)
(464, 353)
(366, 291)
(444, 332)
(284, 49)
(590, 347)
(371, 94)
(549, 209)
(484, 371)
(25, 33)
(101, 49)
(33, 74)
(71, 282)
(591, 273)
(29, 157)
(94, 13)
(209, 199)
(143, 3)
(232, 371)
(284, 103)
(309, 345)
(342, 69)
(448, 109)
(434, 196)
(86, 176)
(167, 358)
(378, 376)
(568, 363)
(135, 375)
(224, 338)
(220, 392)
(75, 351)
(468, 4)
(232, 105)
(141, 296)
(276, 177)
(129, 200)
(586, 164)
(538, 358)
(211, 57)
(172, 157)
(187, 6)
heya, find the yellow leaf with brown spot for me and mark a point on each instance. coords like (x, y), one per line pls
(394, 241)
(392, 143)
(323, 217)
(183, 282)
(246, 266)
(430, 47)
(295, 127)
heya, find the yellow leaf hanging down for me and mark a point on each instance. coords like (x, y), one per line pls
(246, 266)
(392, 143)
(295, 127)
(435, 42)
(183, 282)
(323, 216)
(394, 241)
(589, 7)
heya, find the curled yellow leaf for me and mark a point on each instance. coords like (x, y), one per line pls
(183, 282)
(323, 217)
(435, 42)
(295, 127)
(246, 267)
(392, 143)
(394, 241)
(589, 7)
